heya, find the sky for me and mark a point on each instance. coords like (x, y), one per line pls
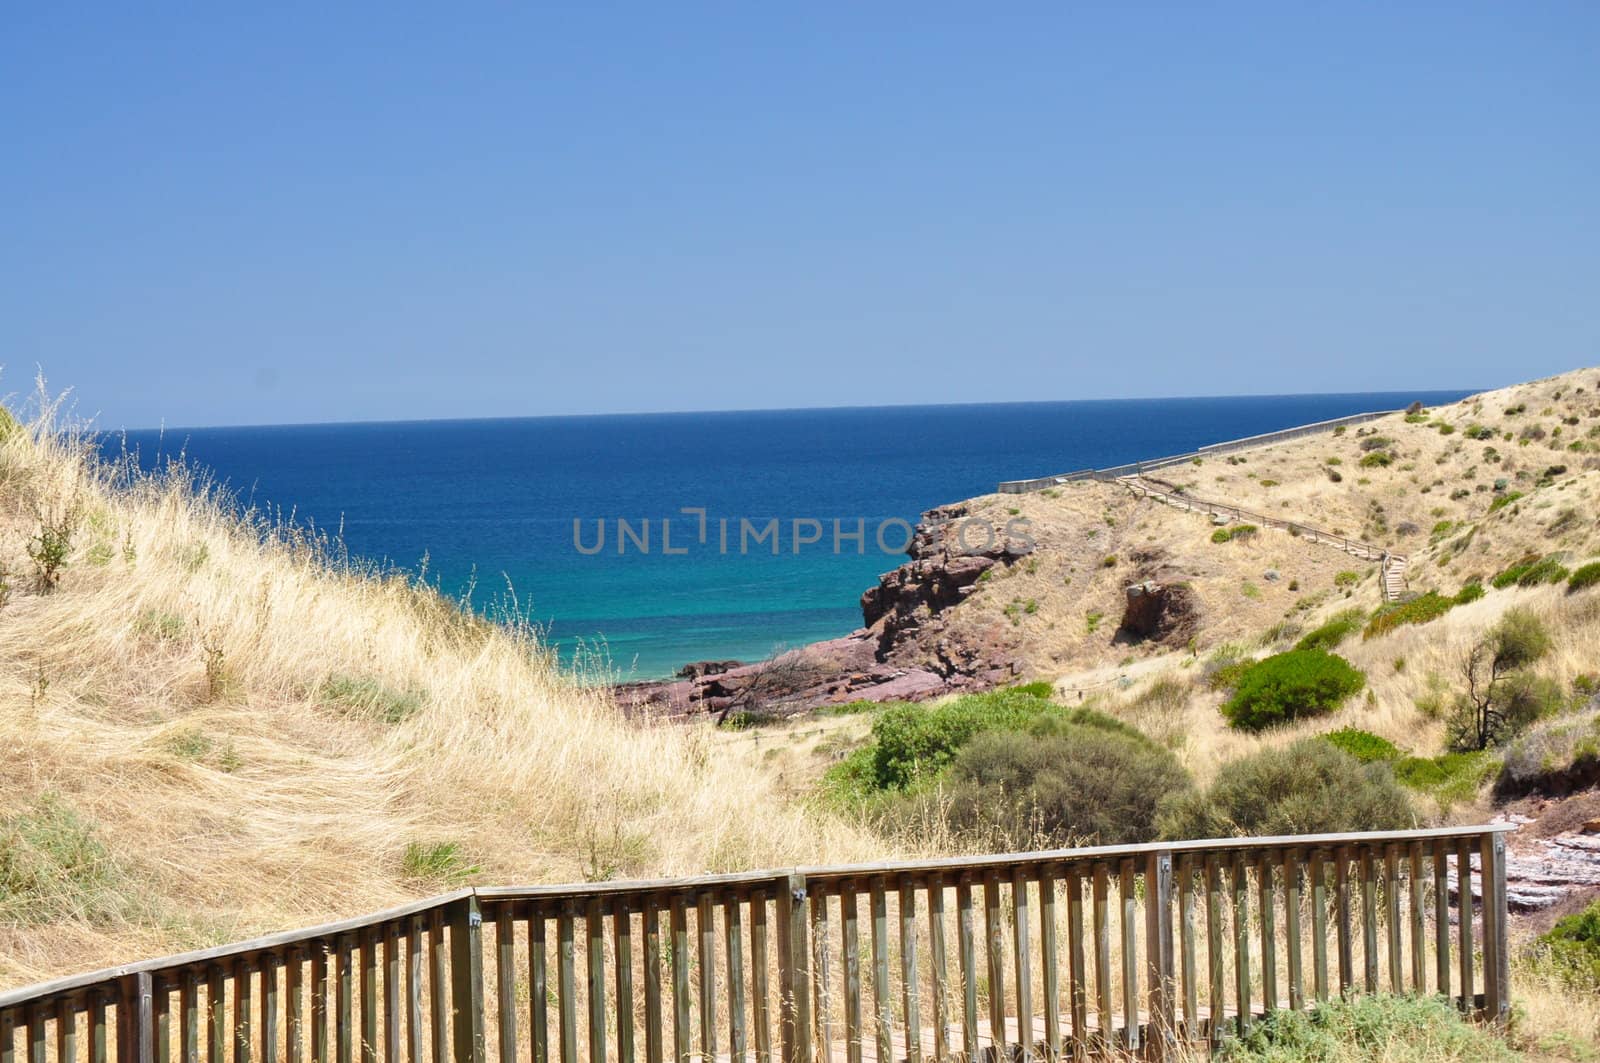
(232, 214)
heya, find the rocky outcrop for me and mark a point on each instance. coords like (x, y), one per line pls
(1161, 612)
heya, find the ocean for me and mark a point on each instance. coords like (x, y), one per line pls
(489, 506)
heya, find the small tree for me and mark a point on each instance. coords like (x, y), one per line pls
(1499, 701)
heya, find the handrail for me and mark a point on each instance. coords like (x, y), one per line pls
(765, 953)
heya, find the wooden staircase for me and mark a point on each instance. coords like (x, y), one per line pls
(1394, 577)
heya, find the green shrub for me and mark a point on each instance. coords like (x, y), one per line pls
(1504, 500)
(1290, 686)
(1419, 610)
(1375, 443)
(364, 696)
(1470, 593)
(1508, 576)
(53, 866)
(1573, 945)
(1043, 688)
(1365, 746)
(1450, 778)
(1221, 535)
(1584, 576)
(1346, 578)
(1545, 570)
(1378, 459)
(1338, 627)
(1306, 787)
(441, 862)
(1062, 783)
(1478, 431)
(1396, 1029)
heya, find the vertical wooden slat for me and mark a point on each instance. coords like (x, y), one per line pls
(760, 1013)
(967, 933)
(438, 997)
(1158, 954)
(1496, 947)
(505, 983)
(622, 951)
(706, 928)
(911, 1003)
(1341, 889)
(1415, 895)
(99, 1035)
(566, 985)
(539, 987)
(1186, 945)
(67, 1028)
(343, 1032)
(8, 1030)
(369, 997)
(654, 1033)
(1077, 971)
(241, 1012)
(269, 1008)
(137, 1042)
(1441, 919)
(1048, 960)
(850, 947)
(1218, 1000)
(1391, 861)
(995, 948)
(1241, 942)
(319, 1004)
(414, 936)
(1269, 934)
(821, 990)
(793, 962)
(682, 1046)
(938, 961)
(1291, 928)
(882, 1002)
(294, 1006)
(189, 1019)
(1128, 922)
(135, 1022)
(1464, 920)
(733, 932)
(466, 981)
(1101, 929)
(1369, 918)
(594, 953)
(1319, 926)
(1022, 961)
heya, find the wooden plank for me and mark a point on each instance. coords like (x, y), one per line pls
(1496, 947)
(1158, 954)
(1128, 922)
(706, 928)
(241, 1011)
(733, 933)
(654, 1027)
(67, 1028)
(939, 963)
(135, 1022)
(319, 1006)
(1291, 928)
(269, 1008)
(1415, 895)
(1077, 971)
(1318, 873)
(682, 1041)
(566, 985)
(760, 1013)
(466, 981)
(189, 1020)
(1342, 928)
(1241, 943)
(1022, 960)
(8, 1031)
(967, 933)
(1391, 864)
(1101, 931)
(821, 989)
(438, 997)
(369, 998)
(594, 953)
(1186, 945)
(539, 986)
(343, 1032)
(1369, 918)
(850, 949)
(794, 988)
(1441, 920)
(882, 1002)
(1269, 935)
(505, 984)
(39, 1053)
(1214, 955)
(294, 1009)
(622, 951)
(99, 1035)
(1048, 959)
(415, 933)
(1464, 921)
(994, 936)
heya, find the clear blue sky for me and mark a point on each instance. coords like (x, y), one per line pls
(313, 212)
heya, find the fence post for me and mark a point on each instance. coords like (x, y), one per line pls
(135, 1019)
(794, 970)
(1496, 953)
(466, 980)
(1158, 949)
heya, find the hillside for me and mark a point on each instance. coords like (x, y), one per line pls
(213, 728)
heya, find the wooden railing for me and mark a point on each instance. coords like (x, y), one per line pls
(1133, 947)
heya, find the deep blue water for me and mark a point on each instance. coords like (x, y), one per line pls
(498, 498)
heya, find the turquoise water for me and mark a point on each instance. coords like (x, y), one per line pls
(491, 504)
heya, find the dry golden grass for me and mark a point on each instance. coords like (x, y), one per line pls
(206, 699)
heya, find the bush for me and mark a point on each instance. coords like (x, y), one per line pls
(1498, 698)
(1419, 610)
(1338, 627)
(1306, 787)
(1508, 576)
(1573, 945)
(53, 866)
(1221, 535)
(1556, 757)
(1450, 778)
(1584, 576)
(1042, 688)
(1375, 443)
(1378, 459)
(1504, 500)
(1290, 686)
(1397, 1029)
(1365, 746)
(1061, 783)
